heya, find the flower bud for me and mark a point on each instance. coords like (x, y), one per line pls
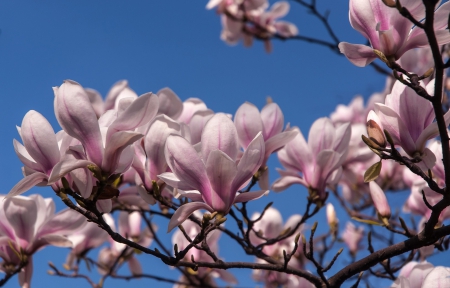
(331, 217)
(379, 200)
(375, 133)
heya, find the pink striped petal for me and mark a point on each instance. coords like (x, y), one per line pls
(219, 134)
(248, 123)
(184, 212)
(273, 120)
(27, 183)
(185, 163)
(140, 112)
(169, 103)
(359, 55)
(65, 166)
(221, 171)
(248, 196)
(250, 162)
(154, 143)
(114, 147)
(77, 117)
(39, 139)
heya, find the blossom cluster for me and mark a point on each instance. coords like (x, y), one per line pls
(127, 152)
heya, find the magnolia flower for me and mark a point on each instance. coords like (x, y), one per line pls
(129, 226)
(213, 173)
(39, 153)
(249, 122)
(271, 226)
(388, 31)
(192, 230)
(317, 160)
(352, 237)
(409, 120)
(89, 237)
(106, 140)
(149, 159)
(27, 224)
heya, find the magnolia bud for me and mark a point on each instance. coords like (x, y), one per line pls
(379, 200)
(331, 216)
(375, 133)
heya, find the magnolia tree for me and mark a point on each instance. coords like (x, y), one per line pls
(121, 162)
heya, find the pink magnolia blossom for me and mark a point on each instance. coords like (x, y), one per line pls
(212, 176)
(129, 226)
(192, 230)
(89, 237)
(39, 153)
(271, 226)
(352, 237)
(149, 159)
(409, 120)
(106, 141)
(249, 122)
(27, 225)
(390, 32)
(316, 159)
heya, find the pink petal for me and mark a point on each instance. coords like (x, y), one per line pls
(248, 123)
(21, 212)
(359, 55)
(169, 103)
(25, 157)
(273, 120)
(184, 212)
(113, 93)
(65, 222)
(114, 148)
(184, 162)
(250, 162)
(27, 183)
(221, 171)
(286, 29)
(279, 9)
(39, 139)
(396, 128)
(140, 112)
(285, 182)
(248, 196)
(65, 166)
(154, 143)
(77, 117)
(379, 200)
(278, 141)
(439, 277)
(198, 122)
(172, 180)
(96, 101)
(190, 106)
(146, 196)
(321, 135)
(104, 206)
(219, 134)
(134, 266)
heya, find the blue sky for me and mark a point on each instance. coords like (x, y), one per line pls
(156, 44)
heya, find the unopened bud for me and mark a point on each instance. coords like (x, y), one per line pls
(375, 133)
(331, 216)
(389, 3)
(380, 201)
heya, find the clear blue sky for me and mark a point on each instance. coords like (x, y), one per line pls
(155, 44)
